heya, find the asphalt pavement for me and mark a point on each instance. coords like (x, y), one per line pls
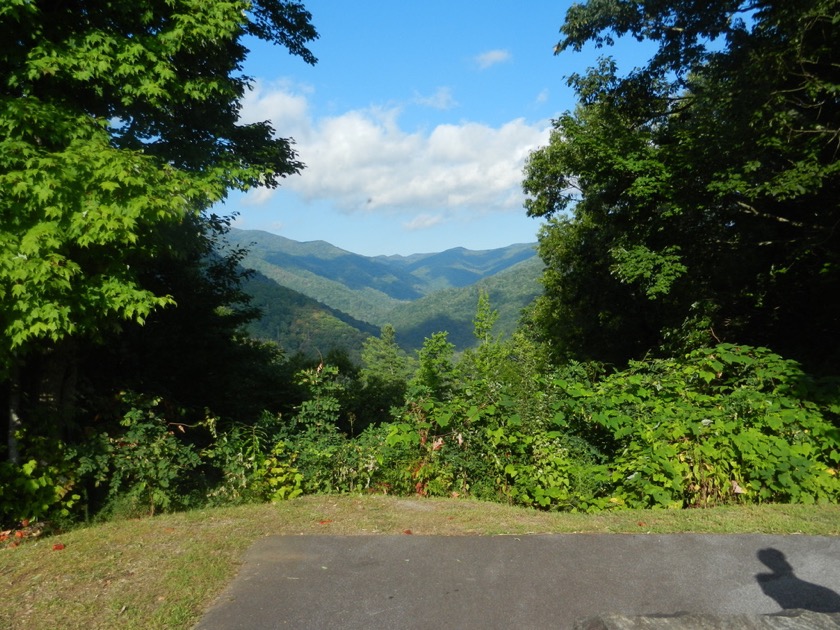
(522, 582)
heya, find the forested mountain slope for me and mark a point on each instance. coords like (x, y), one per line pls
(299, 324)
(418, 294)
(453, 310)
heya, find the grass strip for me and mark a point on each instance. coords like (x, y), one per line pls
(164, 572)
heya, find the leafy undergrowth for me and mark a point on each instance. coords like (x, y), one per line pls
(163, 572)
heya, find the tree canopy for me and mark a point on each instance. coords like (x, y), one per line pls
(119, 119)
(696, 198)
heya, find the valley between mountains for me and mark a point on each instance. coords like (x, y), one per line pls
(315, 297)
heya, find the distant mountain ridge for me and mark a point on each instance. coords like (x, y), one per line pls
(403, 278)
(460, 267)
(453, 309)
(419, 294)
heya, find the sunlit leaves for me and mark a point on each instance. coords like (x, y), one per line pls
(73, 215)
(724, 424)
(117, 119)
(654, 271)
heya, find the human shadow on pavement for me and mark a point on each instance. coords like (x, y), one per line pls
(791, 592)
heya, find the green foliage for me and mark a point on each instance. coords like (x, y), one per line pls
(436, 371)
(313, 436)
(485, 319)
(238, 454)
(278, 476)
(144, 466)
(331, 462)
(493, 436)
(481, 366)
(321, 410)
(731, 424)
(550, 474)
(497, 443)
(74, 211)
(428, 430)
(272, 460)
(383, 360)
(45, 485)
(700, 189)
(383, 377)
(656, 272)
(255, 462)
(36, 491)
(117, 130)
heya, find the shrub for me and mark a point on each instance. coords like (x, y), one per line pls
(144, 466)
(724, 425)
(36, 491)
(238, 457)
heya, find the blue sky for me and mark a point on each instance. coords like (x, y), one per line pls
(414, 124)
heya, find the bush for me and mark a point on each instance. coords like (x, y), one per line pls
(237, 456)
(36, 491)
(144, 467)
(731, 424)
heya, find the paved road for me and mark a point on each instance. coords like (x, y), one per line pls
(521, 582)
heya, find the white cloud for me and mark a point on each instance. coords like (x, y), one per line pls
(363, 160)
(491, 58)
(258, 197)
(283, 104)
(542, 97)
(423, 221)
(442, 99)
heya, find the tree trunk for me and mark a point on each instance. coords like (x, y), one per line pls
(56, 384)
(46, 385)
(15, 423)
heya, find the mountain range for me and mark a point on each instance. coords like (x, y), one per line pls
(316, 297)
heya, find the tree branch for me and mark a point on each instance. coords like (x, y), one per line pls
(773, 217)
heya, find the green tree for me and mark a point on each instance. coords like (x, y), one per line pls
(386, 370)
(695, 199)
(217, 367)
(480, 368)
(118, 119)
(383, 359)
(485, 319)
(436, 373)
